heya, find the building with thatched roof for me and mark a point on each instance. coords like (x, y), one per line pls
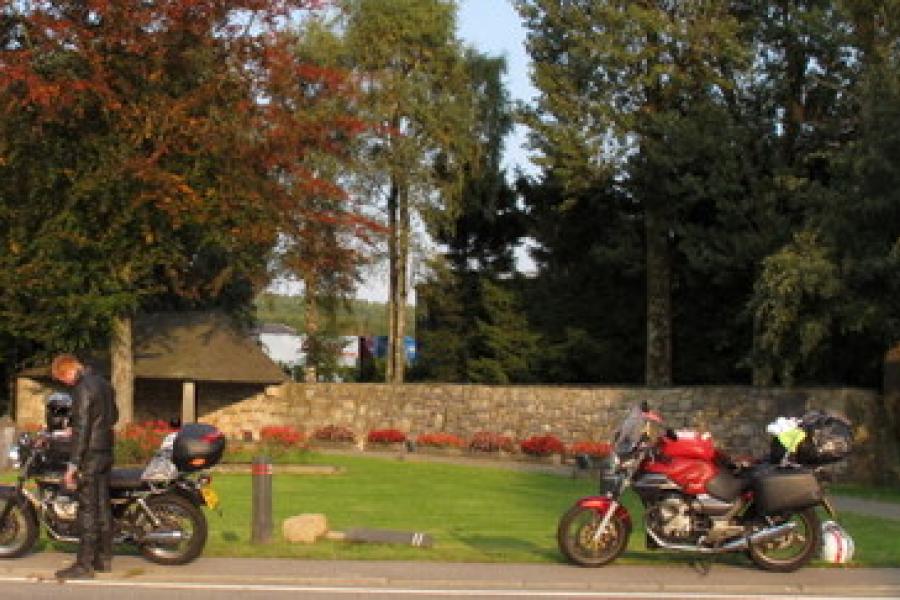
(184, 365)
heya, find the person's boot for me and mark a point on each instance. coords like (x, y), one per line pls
(103, 557)
(103, 564)
(76, 571)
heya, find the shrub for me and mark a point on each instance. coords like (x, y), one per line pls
(137, 442)
(487, 441)
(386, 436)
(334, 433)
(286, 436)
(593, 449)
(543, 445)
(440, 440)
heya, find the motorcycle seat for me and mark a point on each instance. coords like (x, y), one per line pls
(126, 479)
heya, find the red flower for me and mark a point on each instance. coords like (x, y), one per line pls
(543, 445)
(440, 440)
(386, 436)
(594, 449)
(487, 441)
(281, 436)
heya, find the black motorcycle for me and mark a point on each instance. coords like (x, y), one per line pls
(157, 508)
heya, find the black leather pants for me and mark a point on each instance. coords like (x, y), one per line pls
(94, 509)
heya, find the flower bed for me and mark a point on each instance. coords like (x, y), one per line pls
(137, 442)
(592, 449)
(440, 440)
(488, 441)
(386, 436)
(542, 445)
(334, 433)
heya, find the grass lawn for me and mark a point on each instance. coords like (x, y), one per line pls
(881, 493)
(474, 513)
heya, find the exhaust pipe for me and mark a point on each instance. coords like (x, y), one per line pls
(166, 537)
(772, 533)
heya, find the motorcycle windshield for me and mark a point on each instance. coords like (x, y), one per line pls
(629, 433)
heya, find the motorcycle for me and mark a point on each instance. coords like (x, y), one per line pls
(157, 508)
(696, 501)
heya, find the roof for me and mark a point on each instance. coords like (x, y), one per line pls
(194, 346)
(275, 329)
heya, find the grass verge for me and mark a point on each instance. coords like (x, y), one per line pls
(476, 514)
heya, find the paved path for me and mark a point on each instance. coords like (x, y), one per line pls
(426, 579)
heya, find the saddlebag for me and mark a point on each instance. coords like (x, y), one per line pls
(778, 489)
(197, 446)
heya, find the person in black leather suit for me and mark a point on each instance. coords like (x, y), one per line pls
(94, 413)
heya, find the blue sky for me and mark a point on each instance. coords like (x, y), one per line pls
(494, 27)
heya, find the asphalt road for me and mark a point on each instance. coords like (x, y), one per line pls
(249, 579)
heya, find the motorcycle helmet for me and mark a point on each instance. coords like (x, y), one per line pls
(59, 410)
(837, 545)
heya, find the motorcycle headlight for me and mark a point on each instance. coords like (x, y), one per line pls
(13, 455)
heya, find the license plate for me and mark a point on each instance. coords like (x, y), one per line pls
(210, 497)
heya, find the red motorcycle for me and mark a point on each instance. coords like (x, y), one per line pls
(695, 500)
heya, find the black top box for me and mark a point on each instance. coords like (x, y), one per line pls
(197, 446)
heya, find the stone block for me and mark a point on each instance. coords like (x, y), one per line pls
(305, 528)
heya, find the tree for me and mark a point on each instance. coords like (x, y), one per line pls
(473, 327)
(415, 86)
(153, 172)
(614, 75)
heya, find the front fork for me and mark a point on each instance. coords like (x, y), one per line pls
(609, 508)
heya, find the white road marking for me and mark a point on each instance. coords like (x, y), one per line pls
(401, 591)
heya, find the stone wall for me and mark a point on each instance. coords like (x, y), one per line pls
(735, 415)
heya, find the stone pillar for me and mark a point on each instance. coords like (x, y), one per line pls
(188, 402)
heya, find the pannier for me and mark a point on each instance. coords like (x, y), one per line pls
(778, 489)
(197, 446)
(829, 438)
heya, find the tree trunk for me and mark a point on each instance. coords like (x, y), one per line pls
(393, 260)
(311, 324)
(122, 359)
(659, 299)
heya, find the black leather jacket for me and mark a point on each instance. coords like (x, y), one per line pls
(94, 413)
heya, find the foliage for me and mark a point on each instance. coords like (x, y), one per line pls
(334, 433)
(440, 440)
(151, 157)
(488, 441)
(136, 443)
(416, 87)
(281, 435)
(593, 449)
(386, 436)
(684, 149)
(542, 445)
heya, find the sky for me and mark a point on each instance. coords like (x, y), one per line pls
(492, 27)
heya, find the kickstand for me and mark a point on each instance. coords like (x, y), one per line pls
(702, 566)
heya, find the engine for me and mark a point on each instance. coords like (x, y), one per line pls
(65, 508)
(671, 518)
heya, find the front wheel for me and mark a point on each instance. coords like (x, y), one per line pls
(579, 541)
(18, 531)
(180, 535)
(793, 550)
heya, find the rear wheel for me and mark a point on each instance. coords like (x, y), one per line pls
(580, 542)
(18, 531)
(181, 533)
(793, 550)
